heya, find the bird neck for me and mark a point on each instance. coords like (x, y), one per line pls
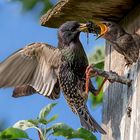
(73, 51)
(66, 41)
(113, 37)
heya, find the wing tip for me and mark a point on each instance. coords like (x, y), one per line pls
(23, 91)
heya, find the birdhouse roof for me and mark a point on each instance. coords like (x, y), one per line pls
(87, 10)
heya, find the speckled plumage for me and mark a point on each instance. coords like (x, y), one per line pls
(124, 43)
(42, 68)
(72, 76)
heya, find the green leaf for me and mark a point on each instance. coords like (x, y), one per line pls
(13, 133)
(27, 124)
(61, 129)
(97, 55)
(47, 5)
(35, 122)
(52, 118)
(45, 122)
(97, 100)
(28, 5)
(46, 110)
(48, 129)
(99, 64)
(97, 58)
(24, 125)
(84, 134)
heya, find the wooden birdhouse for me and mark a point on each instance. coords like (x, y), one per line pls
(121, 104)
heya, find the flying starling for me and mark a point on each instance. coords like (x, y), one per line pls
(41, 68)
(124, 43)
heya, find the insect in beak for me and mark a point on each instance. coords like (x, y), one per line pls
(83, 27)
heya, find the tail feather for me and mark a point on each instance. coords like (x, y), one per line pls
(87, 121)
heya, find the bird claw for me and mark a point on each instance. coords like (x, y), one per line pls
(89, 69)
(88, 72)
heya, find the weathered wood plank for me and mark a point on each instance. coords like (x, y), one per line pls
(82, 10)
(118, 97)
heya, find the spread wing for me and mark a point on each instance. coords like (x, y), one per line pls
(32, 69)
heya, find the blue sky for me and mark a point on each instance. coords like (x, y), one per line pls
(16, 31)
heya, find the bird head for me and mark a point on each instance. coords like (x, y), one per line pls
(109, 30)
(70, 31)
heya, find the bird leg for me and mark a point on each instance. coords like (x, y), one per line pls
(100, 88)
(88, 72)
(102, 84)
(111, 76)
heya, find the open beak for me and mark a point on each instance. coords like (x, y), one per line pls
(83, 27)
(103, 29)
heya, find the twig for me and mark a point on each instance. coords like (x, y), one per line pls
(39, 135)
(111, 76)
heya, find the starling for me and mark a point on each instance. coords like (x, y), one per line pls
(41, 68)
(123, 42)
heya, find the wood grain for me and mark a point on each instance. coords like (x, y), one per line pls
(118, 97)
(85, 10)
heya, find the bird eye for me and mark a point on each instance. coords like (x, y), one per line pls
(73, 29)
(109, 24)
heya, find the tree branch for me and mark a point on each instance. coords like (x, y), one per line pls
(111, 76)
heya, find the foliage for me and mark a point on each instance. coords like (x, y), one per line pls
(13, 133)
(61, 129)
(2, 124)
(28, 5)
(40, 124)
(97, 58)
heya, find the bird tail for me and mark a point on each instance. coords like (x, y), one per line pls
(87, 121)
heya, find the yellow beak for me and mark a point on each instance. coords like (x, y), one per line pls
(103, 29)
(83, 27)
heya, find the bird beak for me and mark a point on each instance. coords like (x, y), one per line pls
(103, 29)
(83, 27)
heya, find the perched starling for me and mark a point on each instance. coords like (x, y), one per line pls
(46, 70)
(124, 43)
